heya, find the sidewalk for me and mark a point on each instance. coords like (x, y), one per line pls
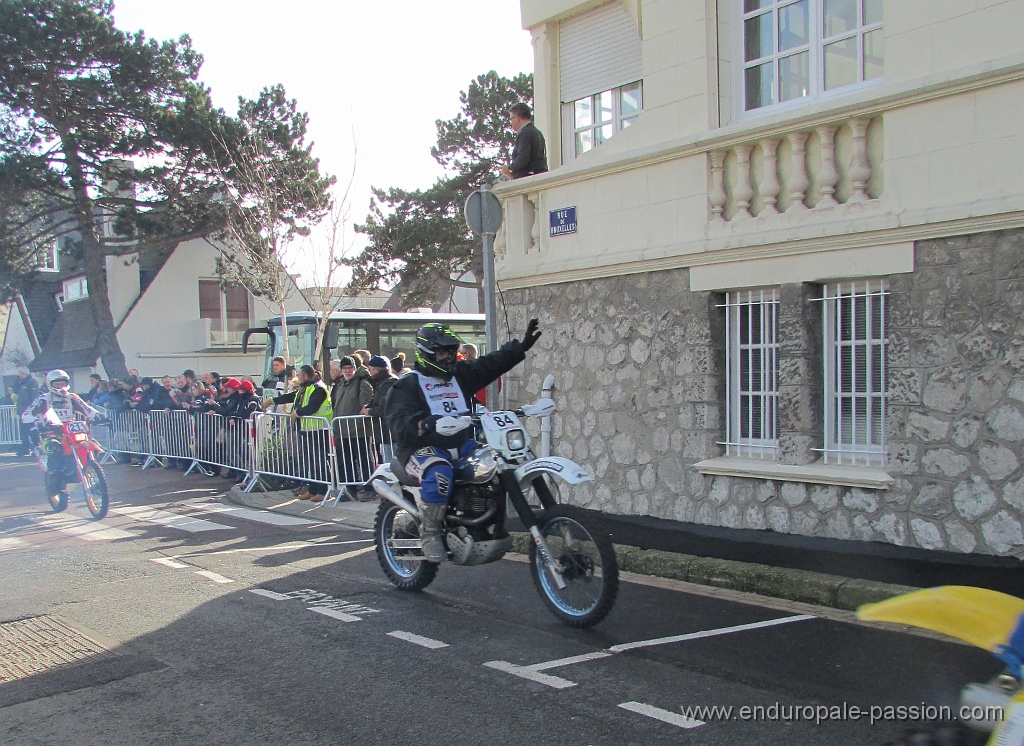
(839, 574)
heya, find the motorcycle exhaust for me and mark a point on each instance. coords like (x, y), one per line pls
(387, 492)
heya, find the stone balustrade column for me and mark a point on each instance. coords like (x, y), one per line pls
(798, 181)
(828, 175)
(743, 190)
(769, 187)
(716, 191)
(533, 199)
(860, 169)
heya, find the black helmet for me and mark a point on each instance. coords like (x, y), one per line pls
(431, 339)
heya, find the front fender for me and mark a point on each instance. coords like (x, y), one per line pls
(566, 470)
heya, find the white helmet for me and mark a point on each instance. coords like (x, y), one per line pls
(56, 375)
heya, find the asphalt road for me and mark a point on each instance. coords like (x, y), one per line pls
(231, 627)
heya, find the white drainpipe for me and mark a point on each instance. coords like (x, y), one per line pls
(545, 422)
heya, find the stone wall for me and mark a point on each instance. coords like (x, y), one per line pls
(639, 367)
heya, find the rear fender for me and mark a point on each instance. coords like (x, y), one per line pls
(384, 472)
(566, 470)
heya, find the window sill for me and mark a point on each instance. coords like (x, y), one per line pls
(866, 477)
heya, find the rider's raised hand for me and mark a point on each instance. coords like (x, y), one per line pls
(532, 335)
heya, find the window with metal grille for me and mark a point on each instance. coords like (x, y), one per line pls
(752, 377)
(856, 384)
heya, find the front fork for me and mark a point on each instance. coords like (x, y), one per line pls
(529, 519)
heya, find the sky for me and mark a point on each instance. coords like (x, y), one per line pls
(373, 75)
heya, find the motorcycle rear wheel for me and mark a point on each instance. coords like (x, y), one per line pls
(95, 485)
(589, 567)
(407, 575)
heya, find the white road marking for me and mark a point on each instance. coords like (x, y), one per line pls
(215, 577)
(10, 542)
(167, 518)
(568, 661)
(534, 672)
(665, 716)
(708, 633)
(269, 594)
(334, 614)
(556, 682)
(90, 530)
(259, 516)
(425, 642)
(167, 561)
(290, 546)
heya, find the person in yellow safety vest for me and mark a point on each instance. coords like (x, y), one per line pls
(313, 413)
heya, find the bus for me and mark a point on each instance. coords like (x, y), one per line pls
(381, 332)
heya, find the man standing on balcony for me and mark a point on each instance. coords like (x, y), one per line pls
(530, 155)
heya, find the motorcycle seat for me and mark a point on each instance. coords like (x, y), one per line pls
(404, 477)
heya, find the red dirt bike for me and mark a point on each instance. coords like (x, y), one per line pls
(79, 449)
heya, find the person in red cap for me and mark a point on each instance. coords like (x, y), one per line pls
(237, 404)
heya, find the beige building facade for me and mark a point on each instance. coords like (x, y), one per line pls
(779, 256)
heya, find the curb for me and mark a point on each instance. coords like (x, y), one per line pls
(820, 589)
(816, 588)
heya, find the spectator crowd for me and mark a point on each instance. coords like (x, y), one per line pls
(356, 387)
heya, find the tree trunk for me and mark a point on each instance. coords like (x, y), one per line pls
(284, 333)
(94, 260)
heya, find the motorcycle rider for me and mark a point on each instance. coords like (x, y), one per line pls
(440, 386)
(55, 406)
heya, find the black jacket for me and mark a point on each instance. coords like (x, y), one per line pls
(156, 398)
(27, 391)
(406, 406)
(382, 383)
(530, 153)
(277, 383)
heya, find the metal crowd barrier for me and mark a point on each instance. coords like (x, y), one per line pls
(361, 444)
(172, 436)
(285, 449)
(10, 425)
(339, 453)
(128, 433)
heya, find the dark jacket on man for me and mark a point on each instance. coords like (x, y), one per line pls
(349, 397)
(382, 383)
(530, 154)
(27, 391)
(407, 406)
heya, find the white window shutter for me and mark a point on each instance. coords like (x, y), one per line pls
(597, 51)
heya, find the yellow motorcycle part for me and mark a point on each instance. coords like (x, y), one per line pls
(987, 619)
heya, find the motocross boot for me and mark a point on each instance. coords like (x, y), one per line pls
(431, 527)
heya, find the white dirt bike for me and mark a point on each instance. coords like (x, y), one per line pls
(571, 558)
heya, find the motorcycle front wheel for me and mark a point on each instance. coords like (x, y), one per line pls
(586, 558)
(59, 501)
(406, 574)
(95, 485)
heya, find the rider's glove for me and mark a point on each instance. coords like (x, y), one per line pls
(531, 336)
(427, 424)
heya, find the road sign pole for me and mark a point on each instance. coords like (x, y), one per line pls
(483, 216)
(490, 305)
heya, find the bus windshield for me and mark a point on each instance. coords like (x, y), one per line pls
(380, 332)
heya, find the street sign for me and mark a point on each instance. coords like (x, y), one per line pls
(562, 221)
(483, 212)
